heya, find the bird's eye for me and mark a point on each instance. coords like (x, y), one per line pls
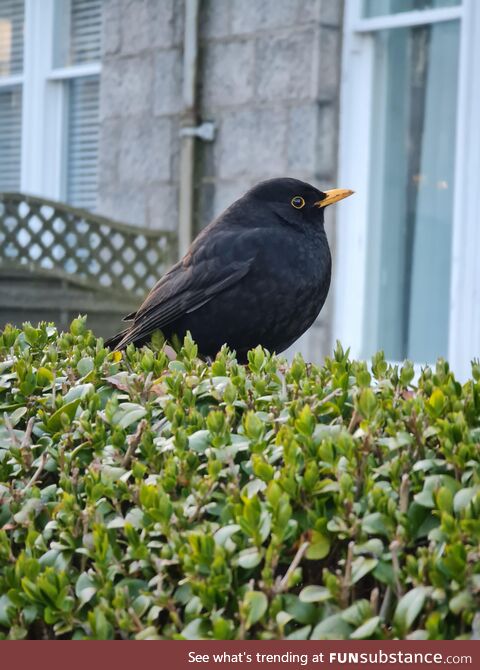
(298, 202)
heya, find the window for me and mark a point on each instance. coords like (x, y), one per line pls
(82, 141)
(49, 98)
(11, 80)
(77, 32)
(76, 46)
(405, 280)
(385, 7)
(412, 156)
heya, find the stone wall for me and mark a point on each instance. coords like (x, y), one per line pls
(139, 105)
(268, 79)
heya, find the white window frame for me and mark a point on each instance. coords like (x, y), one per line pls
(45, 105)
(351, 290)
(12, 82)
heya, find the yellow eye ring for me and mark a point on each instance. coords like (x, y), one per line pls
(298, 202)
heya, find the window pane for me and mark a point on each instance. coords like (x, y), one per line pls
(78, 26)
(11, 37)
(383, 7)
(83, 142)
(413, 156)
(10, 138)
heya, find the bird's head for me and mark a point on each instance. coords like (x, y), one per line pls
(295, 201)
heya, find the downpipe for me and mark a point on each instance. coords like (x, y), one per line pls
(188, 120)
(190, 131)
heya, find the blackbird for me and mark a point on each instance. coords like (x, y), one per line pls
(258, 274)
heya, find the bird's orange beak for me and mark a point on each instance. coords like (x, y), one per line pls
(334, 195)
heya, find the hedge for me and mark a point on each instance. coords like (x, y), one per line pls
(156, 496)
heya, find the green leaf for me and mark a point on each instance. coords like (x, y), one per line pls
(149, 633)
(461, 601)
(31, 507)
(222, 629)
(255, 604)
(79, 391)
(464, 497)
(434, 483)
(283, 618)
(111, 474)
(7, 611)
(128, 413)
(254, 426)
(358, 613)
(331, 628)
(44, 377)
(85, 588)
(225, 533)
(378, 524)
(366, 630)
(17, 415)
(199, 441)
(305, 424)
(6, 365)
(85, 366)
(302, 612)
(249, 558)
(141, 604)
(367, 403)
(407, 373)
(55, 423)
(373, 546)
(384, 573)
(78, 326)
(314, 594)
(409, 607)
(437, 402)
(300, 633)
(361, 566)
(319, 547)
(419, 634)
(444, 499)
(102, 628)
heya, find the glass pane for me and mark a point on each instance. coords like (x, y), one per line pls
(412, 177)
(83, 124)
(78, 26)
(11, 37)
(383, 7)
(10, 138)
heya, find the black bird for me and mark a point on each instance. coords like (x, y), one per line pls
(258, 274)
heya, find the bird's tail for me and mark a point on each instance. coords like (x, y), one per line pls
(116, 341)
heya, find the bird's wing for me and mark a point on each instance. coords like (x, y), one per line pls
(191, 283)
(164, 308)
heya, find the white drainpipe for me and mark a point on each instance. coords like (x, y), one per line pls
(189, 120)
(189, 130)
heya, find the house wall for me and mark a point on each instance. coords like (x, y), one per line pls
(268, 78)
(139, 107)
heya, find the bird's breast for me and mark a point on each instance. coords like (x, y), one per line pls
(298, 263)
(291, 279)
(273, 303)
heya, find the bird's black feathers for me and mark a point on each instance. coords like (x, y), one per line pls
(180, 292)
(258, 274)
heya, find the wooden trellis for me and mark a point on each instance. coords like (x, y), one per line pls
(57, 261)
(51, 237)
